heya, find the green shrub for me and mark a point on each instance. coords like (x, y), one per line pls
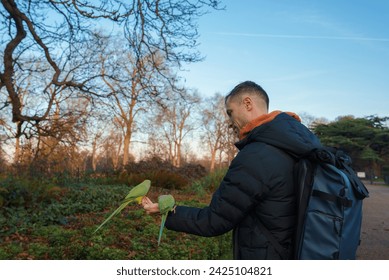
(209, 183)
(39, 251)
(161, 173)
(4, 255)
(168, 180)
(11, 250)
(98, 252)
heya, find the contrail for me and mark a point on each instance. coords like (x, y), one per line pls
(302, 37)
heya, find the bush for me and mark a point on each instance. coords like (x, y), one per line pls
(168, 180)
(209, 183)
(161, 173)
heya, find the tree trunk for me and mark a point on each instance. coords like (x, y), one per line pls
(94, 149)
(126, 146)
(213, 160)
(17, 151)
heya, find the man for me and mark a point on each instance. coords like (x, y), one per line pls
(257, 189)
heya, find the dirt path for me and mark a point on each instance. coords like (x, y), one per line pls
(375, 225)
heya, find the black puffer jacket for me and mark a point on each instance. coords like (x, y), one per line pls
(257, 186)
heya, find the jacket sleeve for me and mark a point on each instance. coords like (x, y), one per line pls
(237, 194)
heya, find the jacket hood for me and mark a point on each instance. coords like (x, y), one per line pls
(284, 132)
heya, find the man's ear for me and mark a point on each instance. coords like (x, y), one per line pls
(248, 103)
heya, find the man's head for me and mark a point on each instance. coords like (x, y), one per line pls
(246, 102)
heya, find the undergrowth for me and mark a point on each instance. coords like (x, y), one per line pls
(40, 220)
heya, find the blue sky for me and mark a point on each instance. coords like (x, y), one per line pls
(325, 58)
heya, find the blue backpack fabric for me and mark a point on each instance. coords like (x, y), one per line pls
(329, 214)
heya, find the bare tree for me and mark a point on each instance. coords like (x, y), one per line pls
(97, 126)
(311, 121)
(95, 146)
(57, 151)
(175, 120)
(215, 128)
(111, 149)
(133, 85)
(57, 34)
(228, 148)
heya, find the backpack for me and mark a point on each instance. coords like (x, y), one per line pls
(329, 214)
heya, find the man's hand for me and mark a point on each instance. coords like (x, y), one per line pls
(149, 206)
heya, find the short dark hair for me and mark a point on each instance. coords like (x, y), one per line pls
(248, 87)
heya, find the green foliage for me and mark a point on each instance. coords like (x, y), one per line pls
(365, 139)
(370, 155)
(51, 222)
(26, 205)
(347, 133)
(209, 183)
(11, 250)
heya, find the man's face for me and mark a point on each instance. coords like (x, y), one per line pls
(237, 112)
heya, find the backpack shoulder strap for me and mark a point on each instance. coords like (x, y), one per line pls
(283, 252)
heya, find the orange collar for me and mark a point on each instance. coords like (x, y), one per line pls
(265, 118)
